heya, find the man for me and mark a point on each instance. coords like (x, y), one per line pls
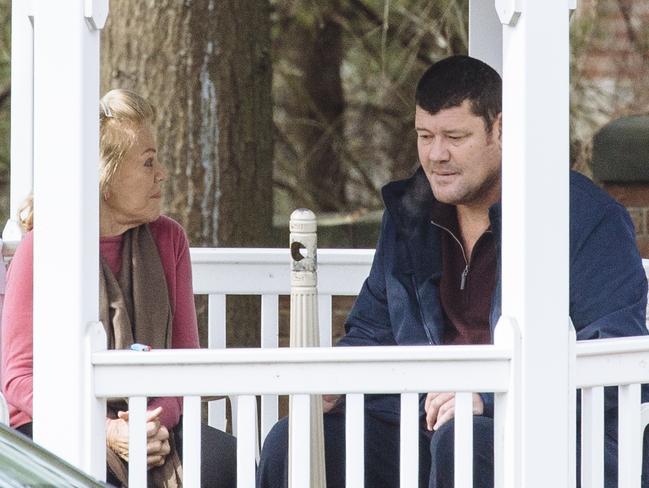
(435, 279)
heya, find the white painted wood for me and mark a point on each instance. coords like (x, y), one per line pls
(192, 441)
(300, 441)
(463, 440)
(592, 437)
(269, 320)
(340, 271)
(409, 446)
(4, 410)
(571, 409)
(485, 34)
(137, 441)
(269, 339)
(500, 421)
(507, 409)
(325, 311)
(355, 441)
(535, 230)
(95, 427)
(216, 336)
(216, 321)
(66, 249)
(246, 441)
(22, 120)
(611, 362)
(629, 437)
(302, 370)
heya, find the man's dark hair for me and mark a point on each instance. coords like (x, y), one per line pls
(451, 81)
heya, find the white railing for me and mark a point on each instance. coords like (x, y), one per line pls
(249, 372)
(244, 373)
(622, 362)
(220, 272)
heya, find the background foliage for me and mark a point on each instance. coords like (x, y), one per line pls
(342, 90)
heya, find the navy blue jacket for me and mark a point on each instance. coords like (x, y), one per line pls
(399, 302)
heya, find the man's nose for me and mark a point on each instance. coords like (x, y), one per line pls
(439, 151)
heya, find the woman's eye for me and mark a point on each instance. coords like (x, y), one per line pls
(148, 163)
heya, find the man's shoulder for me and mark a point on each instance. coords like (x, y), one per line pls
(586, 196)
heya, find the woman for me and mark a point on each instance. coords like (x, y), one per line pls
(145, 296)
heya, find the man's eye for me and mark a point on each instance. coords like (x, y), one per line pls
(148, 163)
(456, 138)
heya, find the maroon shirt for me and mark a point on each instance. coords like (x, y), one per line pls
(467, 282)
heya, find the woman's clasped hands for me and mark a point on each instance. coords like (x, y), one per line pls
(157, 437)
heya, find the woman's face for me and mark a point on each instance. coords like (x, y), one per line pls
(134, 194)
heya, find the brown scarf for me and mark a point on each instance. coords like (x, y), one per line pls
(142, 282)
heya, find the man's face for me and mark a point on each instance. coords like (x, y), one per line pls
(461, 159)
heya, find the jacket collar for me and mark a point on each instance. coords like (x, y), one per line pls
(409, 203)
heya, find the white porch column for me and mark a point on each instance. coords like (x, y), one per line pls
(485, 34)
(535, 231)
(67, 417)
(22, 114)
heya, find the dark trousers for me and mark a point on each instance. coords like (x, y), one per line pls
(436, 458)
(218, 456)
(381, 454)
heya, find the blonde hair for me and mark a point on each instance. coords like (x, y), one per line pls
(121, 114)
(26, 213)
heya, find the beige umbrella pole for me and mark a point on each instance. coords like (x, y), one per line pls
(305, 333)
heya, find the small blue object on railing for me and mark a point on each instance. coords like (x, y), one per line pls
(140, 347)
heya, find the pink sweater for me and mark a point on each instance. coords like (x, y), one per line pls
(17, 345)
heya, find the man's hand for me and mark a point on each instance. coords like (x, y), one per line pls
(440, 408)
(157, 437)
(329, 402)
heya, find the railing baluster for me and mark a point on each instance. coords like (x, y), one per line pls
(137, 441)
(629, 437)
(300, 441)
(463, 440)
(192, 441)
(500, 413)
(269, 339)
(246, 441)
(354, 441)
(324, 319)
(409, 449)
(216, 313)
(592, 437)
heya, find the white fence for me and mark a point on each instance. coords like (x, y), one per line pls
(245, 373)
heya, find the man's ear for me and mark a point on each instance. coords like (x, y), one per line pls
(498, 126)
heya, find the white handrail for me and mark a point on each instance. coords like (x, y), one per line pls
(612, 361)
(405, 369)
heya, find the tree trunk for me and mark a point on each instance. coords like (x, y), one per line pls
(205, 65)
(316, 104)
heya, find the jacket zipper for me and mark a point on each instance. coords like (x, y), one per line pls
(465, 272)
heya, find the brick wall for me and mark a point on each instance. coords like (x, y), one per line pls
(635, 197)
(611, 50)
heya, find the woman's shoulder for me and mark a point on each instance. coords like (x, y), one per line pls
(169, 234)
(166, 224)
